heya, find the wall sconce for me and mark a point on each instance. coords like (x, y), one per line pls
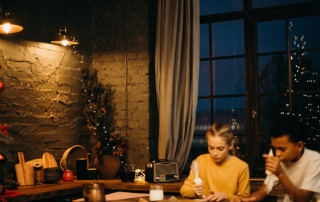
(64, 37)
(7, 25)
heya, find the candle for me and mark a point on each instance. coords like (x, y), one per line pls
(156, 195)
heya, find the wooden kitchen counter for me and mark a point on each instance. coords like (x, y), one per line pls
(37, 192)
(46, 191)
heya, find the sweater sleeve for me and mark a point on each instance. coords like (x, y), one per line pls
(187, 188)
(243, 184)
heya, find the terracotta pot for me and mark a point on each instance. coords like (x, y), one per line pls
(109, 168)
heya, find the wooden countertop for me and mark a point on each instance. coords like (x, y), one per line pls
(60, 188)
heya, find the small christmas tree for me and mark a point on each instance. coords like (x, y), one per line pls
(99, 113)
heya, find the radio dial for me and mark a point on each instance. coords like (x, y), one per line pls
(158, 178)
(175, 176)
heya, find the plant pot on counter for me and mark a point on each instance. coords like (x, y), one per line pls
(109, 168)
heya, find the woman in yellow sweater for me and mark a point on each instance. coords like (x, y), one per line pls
(224, 176)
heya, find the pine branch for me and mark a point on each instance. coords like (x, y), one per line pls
(5, 138)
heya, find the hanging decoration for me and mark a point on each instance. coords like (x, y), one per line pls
(3, 159)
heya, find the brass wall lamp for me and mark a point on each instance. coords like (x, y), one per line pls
(64, 37)
(7, 25)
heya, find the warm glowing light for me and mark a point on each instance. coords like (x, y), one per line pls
(7, 28)
(64, 42)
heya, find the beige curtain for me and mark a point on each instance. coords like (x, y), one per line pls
(177, 76)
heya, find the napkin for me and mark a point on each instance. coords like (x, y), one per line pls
(195, 169)
(269, 180)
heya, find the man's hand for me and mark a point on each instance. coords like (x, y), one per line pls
(218, 196)
(198, 189)
(273, 164)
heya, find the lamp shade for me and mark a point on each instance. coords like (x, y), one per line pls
(64, 38)
(8, 26)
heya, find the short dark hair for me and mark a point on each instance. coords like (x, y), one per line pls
(290, 125)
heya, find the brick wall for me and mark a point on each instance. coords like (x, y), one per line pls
(123, 52)
(42, 103)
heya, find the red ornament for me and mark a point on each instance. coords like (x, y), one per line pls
(1, 86)
(0, 66)
(6, 133)
(5, 126)
(3, 159)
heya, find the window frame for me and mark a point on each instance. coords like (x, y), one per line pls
(251, 17)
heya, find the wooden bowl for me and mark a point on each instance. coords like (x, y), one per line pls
(52, 175)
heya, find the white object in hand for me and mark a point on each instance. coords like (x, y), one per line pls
(269, 174)
(197, 180)
(156, 195)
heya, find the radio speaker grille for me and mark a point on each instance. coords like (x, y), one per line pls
(166, 169)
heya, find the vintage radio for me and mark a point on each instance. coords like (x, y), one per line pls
(162, 171)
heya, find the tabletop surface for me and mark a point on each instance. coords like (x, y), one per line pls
(60, 188)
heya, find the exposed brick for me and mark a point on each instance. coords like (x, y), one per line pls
(133, 124)
(62, 129)
(43, 103)
(52, 137)
(46, 128)
(46, 121)
(32, 137)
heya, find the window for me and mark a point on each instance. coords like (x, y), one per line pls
(258, 60)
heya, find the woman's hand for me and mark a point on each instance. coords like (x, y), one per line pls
(218, 196)
(198, 189)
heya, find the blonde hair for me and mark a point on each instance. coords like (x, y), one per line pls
(221, 130)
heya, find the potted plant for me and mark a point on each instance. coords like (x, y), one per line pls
(109, 152)
(109, 146)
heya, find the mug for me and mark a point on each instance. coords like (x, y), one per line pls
(67, 175)
(81, 168)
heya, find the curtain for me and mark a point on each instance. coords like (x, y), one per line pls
(177, 76)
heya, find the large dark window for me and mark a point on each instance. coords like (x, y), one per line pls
(258, 60)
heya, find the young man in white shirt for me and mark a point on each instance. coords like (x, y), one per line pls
(294, 166)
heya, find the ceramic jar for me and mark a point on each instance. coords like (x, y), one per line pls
(67, 175)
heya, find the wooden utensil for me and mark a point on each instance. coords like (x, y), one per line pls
(24, 171)
(34, 162)
(48, 161)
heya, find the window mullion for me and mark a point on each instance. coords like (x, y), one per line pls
(289, 65)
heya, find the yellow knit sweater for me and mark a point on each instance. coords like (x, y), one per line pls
(231, 177)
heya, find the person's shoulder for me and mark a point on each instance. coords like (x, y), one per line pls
(204, 157)
(312, 156)
(239, 162)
